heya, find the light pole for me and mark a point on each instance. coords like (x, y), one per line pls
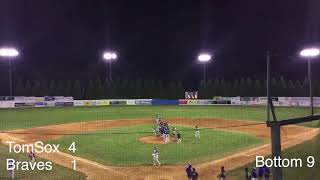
(9, 53)
(310, 53)
(204, 58)
(110, 56)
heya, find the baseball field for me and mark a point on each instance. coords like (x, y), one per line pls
(116, 142)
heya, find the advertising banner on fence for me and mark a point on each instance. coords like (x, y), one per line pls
(59, 104)
(50, 103)
(6, 98)
(118, 102)
(7, 104)
(131, 102)
(87, 103)
(102, 102)
(183, 102)
(19, 104)
(164, 102)
(78, 103)
(143, 102)
(40, 104)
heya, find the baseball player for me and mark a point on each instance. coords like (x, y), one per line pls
(155, 155)
(11, 171)
(222, 174)
(174, 129)
(189, 171)
(157, 119)
(154, 130)
(166, 135)
(178, 138)
(197, 135)
(32, 156)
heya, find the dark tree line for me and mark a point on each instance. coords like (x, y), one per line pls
(248, 87)
(99, 89)
(144, 88)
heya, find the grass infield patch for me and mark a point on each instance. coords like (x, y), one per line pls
(121, 146)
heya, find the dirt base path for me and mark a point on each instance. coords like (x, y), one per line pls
(291, 135)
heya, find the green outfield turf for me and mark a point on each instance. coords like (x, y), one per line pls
(121, 147)
(33, 117)
(58, 172)
(303, 151)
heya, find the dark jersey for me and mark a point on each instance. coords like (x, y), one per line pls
(179, 136)
(194, 175)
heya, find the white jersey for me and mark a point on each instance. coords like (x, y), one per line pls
(155, 153)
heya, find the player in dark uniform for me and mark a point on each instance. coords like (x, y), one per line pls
(222, 174)
(189, 171)
(194, 174)
(178, 137)
(32, 156)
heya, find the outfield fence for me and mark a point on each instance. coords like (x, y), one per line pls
(60, 101)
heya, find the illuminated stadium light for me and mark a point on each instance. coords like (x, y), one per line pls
(204, 57)
(110, 56)
(9, 52)
(310, 52)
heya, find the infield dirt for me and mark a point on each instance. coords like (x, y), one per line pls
(291, 135)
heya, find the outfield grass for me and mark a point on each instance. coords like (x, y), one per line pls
(34, 117)
(58, 172)
(308, 148)
(124, 149)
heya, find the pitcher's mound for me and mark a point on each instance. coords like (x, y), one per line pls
(155, 140)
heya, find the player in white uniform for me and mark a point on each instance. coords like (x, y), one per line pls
(157, 119)
(11, 172)
(155, 155)
(197, 135)
(154, 130)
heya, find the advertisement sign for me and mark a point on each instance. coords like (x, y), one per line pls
(70, 103)
(40, 104)
(118, 102)
(29, 104)
(87, 103)
(78, 103)
(59, 104)
(49, 98)
(39, 99)
(143, 102)
(50, 103)
(183, 102)
(6, 98)
(19, 104)
(102, 103)
(131, 102)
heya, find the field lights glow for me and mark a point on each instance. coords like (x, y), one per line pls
(109, 56)
(310, 52)
(204, 57)
(8, 52)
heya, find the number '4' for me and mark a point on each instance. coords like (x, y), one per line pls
(72, 147)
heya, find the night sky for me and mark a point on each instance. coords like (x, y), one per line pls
(64, 39)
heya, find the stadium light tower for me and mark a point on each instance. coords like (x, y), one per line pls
(110, 56)
(204, 58)
(9, 53)
(310, 54)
